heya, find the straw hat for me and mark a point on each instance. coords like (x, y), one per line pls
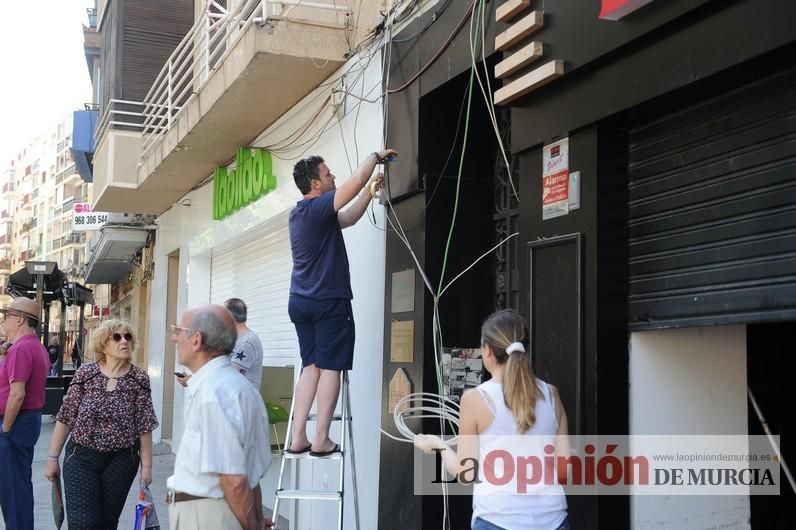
(24, 307)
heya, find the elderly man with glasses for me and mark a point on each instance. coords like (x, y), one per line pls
(225, 448)
(23, 383)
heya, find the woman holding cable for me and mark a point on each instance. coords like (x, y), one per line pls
(512, 411)
(108, 413)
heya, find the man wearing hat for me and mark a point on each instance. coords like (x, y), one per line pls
(23, 382)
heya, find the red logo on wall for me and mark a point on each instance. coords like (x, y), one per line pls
(616, 9)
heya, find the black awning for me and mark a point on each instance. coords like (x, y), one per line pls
(21, 284)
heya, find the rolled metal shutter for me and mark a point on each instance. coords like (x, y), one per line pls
(258, 272)
(712, 210)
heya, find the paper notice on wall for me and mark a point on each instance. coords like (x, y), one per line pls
(400, 387)
(555, 179)
(402, 341)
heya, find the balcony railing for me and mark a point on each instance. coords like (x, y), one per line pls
(8, 186)
(122, 115)
(65, 173)
(29, 225)
(74, 238)
(200, 52)
(5, 239)
(27, 255)
(5, 264)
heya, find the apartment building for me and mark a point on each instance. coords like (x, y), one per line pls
(39, 189)
(6, 230)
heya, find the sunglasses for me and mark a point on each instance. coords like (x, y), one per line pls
(118, 337)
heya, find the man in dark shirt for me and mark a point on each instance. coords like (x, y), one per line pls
(320, 289)
(23, 382)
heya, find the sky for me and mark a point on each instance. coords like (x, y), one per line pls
(44, 68)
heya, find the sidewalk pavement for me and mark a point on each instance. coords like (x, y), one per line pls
(162, 467)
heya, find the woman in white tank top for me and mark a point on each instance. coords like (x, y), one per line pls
(514, 413)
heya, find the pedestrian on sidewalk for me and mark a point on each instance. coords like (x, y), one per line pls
(23, 383)
(247, 356)
(320, 289)
(224, 451)
(109, 418)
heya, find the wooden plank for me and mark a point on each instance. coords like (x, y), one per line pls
(519, 31)
(519, 59)
(530, 81)
(509, 9)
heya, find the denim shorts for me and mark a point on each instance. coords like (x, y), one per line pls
(325, 330)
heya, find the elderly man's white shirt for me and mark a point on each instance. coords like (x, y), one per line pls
(226, 431)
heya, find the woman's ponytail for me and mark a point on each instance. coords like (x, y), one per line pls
(506, 334)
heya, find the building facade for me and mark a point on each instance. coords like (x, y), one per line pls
(657, 281)
(244, 88)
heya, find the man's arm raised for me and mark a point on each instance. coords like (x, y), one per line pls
(349, 189)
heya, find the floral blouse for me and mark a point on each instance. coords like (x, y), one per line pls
(108, 420)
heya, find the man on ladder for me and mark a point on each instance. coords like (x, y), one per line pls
(320, 292)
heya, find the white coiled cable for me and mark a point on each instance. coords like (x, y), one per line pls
(421, 405)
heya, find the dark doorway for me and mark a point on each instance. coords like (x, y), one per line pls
(443, 167)
(770, 365)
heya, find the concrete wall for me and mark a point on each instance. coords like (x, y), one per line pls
(686, 382)
(191, 230)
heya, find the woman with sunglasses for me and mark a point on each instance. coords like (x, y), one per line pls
(108, 413)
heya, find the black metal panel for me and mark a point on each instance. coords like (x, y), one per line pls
(612, 66)
(412, 50)
(712, 207)
(556, 319)
(398, 506)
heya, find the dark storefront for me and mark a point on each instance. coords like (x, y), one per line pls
(681, 119)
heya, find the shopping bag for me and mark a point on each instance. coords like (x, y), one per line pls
(145, 516)
(58, 503)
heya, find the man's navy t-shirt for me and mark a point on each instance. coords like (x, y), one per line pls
(320, 262)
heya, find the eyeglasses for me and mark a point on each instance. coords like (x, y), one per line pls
(10, 314)
(178, 329)
(117, 337)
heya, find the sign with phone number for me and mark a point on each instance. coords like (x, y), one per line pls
(85, 219)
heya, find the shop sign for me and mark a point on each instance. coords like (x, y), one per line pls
(251, 179)
(84, 219)
(616, 9)
(555, 179)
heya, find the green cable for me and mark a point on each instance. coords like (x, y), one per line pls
(477, 12)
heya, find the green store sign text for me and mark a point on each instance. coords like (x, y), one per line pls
(252, 178)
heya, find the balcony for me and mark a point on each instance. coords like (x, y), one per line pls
(234, 74)
(29, 225)
(8, 187)
(73, 238)
(5, 264)
(65, 174)
(112, 251)
(27, 255)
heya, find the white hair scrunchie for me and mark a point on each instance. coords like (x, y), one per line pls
(515, 346)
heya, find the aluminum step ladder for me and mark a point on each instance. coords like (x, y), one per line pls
(346, 444)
